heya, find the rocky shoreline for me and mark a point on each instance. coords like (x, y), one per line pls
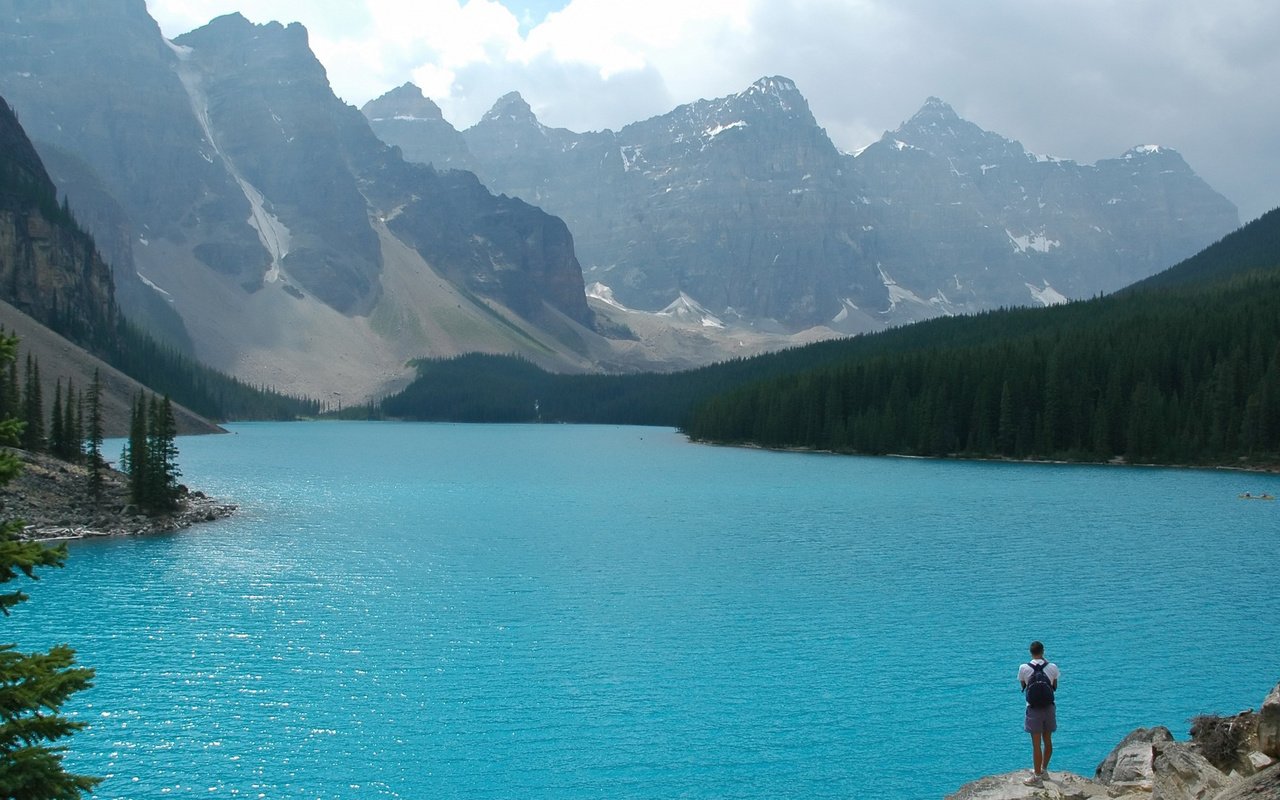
(1227, 758)
(52, 499)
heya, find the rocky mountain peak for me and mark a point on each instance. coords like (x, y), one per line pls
(1167, 157)
(235, 30)
(935, 110)
(937, 128)
(782, 89)
(511, 106)
(772, 96)
(405, 102)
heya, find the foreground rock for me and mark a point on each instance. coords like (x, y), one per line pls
(1228, 758)
(52, 498)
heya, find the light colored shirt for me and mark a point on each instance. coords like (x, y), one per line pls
(1051, 671)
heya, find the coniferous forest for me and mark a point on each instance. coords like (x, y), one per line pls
(1183, 368)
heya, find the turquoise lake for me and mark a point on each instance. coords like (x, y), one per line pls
(453, 611)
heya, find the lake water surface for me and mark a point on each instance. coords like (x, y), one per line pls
(447, 611)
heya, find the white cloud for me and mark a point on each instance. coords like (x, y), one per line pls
(1082, 80)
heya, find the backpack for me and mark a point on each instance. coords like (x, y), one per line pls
(1039, 688)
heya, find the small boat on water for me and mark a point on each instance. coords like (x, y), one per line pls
(1252, 496)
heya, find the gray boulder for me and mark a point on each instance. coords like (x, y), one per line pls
(1181, 773)
(1269, 724)
(1129, 764)
(1063, 786)
(1263, 786)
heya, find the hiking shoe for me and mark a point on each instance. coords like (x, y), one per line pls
(1034, 780)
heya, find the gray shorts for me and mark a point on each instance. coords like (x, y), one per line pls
(1041, 720)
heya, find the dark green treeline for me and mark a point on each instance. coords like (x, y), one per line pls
(1167, 377)
(1184, 368)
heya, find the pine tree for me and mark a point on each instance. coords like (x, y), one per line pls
(32, 408)
(12, 401)
(71, 425)
(94, 439)
(134, 460)
(33, 686)
(57, 440)
(162, 455)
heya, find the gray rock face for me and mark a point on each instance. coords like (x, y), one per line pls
(1269, 724)
(228, 144)
(1129, 764)
(97, 80)
(49, 268)
(744, 204)
(279, 128)
(414, 123)
(1180, 773)
(1263, 786)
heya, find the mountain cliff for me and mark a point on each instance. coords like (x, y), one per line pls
(299, 250)
(54, 284)
(49, 268)
(744, 205)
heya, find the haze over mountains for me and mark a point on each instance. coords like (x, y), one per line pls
(298, 250)
(253, 217)
(743, 204)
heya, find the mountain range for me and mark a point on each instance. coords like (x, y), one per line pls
(258, 222)
(297, 250)
(744, 206)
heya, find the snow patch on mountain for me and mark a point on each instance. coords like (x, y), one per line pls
(1144, 150)
(1046, 295)
(898, 293)
(686, 309)
(715, 131)
(632, 156)
(846, 307)
(151, 285)
(1039, 242)
(604, 294)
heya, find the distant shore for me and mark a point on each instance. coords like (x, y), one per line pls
(52, 499)
(1261, 469)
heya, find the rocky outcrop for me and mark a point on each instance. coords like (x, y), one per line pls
(1130, 763)
(1179, 772)
(52, 499)
(1149, 764)
(1269, 725)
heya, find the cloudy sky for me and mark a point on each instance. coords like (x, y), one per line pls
(1078, 79)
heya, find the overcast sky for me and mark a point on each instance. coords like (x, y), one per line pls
(1078, 79)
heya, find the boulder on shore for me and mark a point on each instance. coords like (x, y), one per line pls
(1149, 764)
(53, 500)
(1269, 724)
(1129, 764)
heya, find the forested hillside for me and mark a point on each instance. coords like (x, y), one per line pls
(1185, 369)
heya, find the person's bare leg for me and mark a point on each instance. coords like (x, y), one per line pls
(1048, 752)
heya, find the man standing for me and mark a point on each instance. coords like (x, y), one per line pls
(1039, 679)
